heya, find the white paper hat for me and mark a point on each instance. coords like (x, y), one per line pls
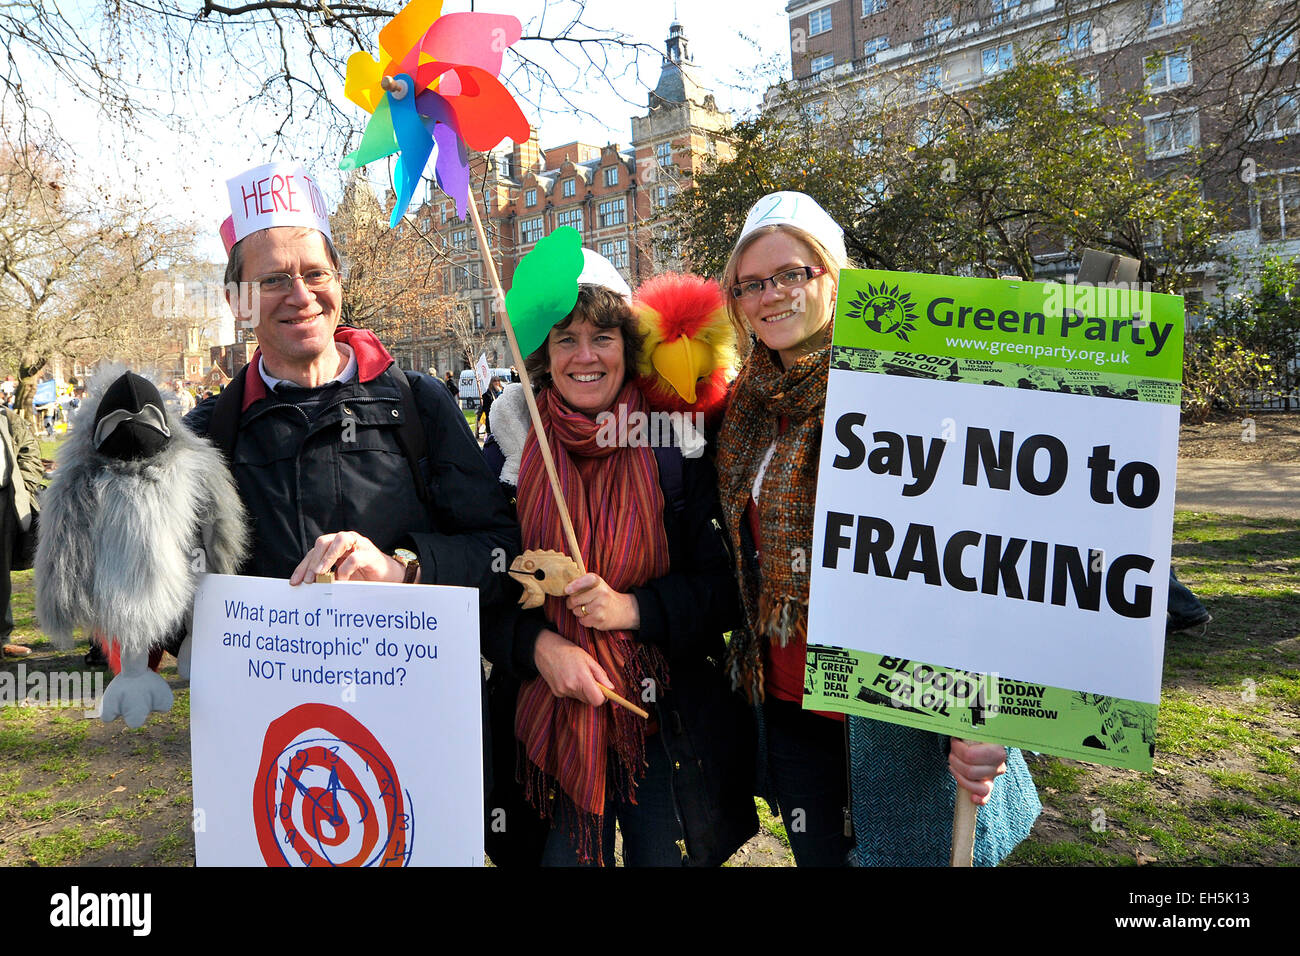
(597, 270)
(799, 210)
(277, 194)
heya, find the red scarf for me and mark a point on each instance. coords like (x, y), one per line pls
(617, 507)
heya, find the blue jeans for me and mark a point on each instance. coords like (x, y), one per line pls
(808, 770)
(650, 826)
(1183, 604)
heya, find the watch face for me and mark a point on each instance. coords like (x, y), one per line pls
(403, 555)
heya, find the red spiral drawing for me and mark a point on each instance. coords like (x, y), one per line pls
(327, 794)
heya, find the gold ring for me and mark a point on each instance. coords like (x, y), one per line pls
(583, 609)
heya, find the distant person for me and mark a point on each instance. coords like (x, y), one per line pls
(20, 482)
(514, 374)
(450, 381)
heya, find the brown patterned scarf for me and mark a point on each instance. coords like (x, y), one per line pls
(617, 507)
(776, 602)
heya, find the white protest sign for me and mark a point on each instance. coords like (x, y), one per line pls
(1054, 569)
(483, 373)
(336, 724)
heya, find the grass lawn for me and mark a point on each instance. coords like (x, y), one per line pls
(1226, 786)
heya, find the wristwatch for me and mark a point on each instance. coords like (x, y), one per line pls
(409, 561)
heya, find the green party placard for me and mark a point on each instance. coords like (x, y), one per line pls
(995, 492)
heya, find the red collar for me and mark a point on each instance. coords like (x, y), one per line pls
(372, 360)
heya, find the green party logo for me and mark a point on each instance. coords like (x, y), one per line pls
(885, 310)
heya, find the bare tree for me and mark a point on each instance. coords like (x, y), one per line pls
(74, 281)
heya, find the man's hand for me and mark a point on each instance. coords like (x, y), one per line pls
(353, 557)
(568, 670)
(975, 766)
(599, 606)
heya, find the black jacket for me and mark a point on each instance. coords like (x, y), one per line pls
(300, 478)
(708, 731)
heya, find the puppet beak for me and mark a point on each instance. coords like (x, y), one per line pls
(682, 362)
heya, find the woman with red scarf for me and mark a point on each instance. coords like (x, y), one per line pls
(646, 621)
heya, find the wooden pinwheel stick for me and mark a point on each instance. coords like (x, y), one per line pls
(623, 702)
(964, 817)
(543, 445)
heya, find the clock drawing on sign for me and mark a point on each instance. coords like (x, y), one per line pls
(328, 795)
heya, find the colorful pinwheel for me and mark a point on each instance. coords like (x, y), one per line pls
(446, 98)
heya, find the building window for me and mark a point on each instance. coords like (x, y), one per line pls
(998, 58)
(611, 176)
(661, 196)
(1277, 206)
(870, 7)
(930, 80)
(531, 230)
(477, 308)
(569, 217)
(875, 46)
(1172, 134)
(1164, 71)
(616, 252)
(1076, 37)
(613, 212)
(1001, 10)
(458, 239)
(1165, 13)
(1277, 115)
(1272, 49)
(569, 188)
(931, 27)
(824, 62)
(664, 153)
(819, 21)
(475, 277)
(928, 131)
(530, 197)
(1082, 94)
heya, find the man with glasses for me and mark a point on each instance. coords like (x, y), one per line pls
(317, 427)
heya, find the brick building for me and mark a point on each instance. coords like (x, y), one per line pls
(1221, 76)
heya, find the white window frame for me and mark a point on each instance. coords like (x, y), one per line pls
(1165, 63)
(1076, 37)
(1283, 48)
(615, 250)
(612, 212)
(570, 217)
(1162, 8)
(1270, 106)
(930, 80)
(611, 175)
(530, 197)
(1000, 62)
(664, 154)
(1277, 179)
(874, 47)
(936, 25)
(1000, 10)
(872, 7)
(569, 187)
(819, 22)
(532, 229)
(827, 60)
(1149, 123)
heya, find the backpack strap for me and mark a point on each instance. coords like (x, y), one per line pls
(223, 427)
(671, 482)
(410, 434)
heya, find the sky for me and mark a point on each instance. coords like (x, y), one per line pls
(181, 162)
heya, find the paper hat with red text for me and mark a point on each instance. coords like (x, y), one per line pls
(277, 194)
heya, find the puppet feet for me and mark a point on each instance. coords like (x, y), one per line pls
(183, 657)
(133, 697)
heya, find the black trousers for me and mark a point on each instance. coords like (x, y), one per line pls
(8, 534)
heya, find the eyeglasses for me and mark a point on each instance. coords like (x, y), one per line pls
(274, 283)
(782, 280)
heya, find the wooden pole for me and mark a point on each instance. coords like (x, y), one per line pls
(545, 446)
(964, 816)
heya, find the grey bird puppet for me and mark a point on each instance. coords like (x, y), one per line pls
(138, 508)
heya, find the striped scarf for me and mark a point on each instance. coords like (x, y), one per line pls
(776, 601)
(617, 507)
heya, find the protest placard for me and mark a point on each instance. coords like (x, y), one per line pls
(336, 724)
(994, 511)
